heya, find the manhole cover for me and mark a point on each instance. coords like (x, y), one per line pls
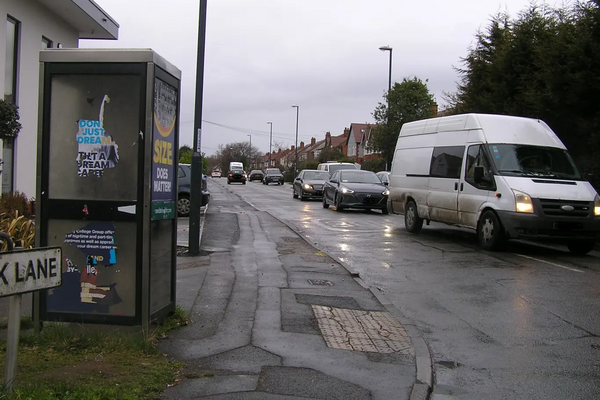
(320, 282)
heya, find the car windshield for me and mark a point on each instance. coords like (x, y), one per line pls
(316, 175)
(535, 161)
(358, 177)
(273, 172)
(334, 167)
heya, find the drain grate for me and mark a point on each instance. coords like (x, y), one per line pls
(368, 331)
(320, 282)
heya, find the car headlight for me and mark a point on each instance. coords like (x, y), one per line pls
(347, 191)
(307, 186)
(523, 202)
(597, 206)
(386, 192)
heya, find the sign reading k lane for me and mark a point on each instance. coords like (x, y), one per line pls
(28, 270)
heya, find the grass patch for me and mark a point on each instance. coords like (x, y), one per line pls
(92, 364)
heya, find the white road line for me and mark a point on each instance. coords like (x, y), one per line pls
(551, 263)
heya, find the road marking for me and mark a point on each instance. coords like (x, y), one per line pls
(548, 262)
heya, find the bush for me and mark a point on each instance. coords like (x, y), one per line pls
(374, 165)
(20, 229)
(15, 202)
(289, 176)
(9, 120)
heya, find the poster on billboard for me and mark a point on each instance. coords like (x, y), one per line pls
(164, 176)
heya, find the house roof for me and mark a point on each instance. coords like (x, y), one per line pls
(356, 130)
(337, 141)
(91, 21)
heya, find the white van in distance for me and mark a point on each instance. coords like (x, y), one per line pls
(505, 177)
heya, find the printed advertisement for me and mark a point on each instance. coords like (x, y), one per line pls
(97, 150)
(164, 175)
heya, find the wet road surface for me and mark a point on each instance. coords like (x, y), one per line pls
(518, 324)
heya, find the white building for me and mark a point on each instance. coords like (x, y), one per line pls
(31, 25)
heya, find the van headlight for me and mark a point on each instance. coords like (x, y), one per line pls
(597, 206)
(386, 192)
(523, 202)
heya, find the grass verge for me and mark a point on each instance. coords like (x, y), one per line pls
(91, 364)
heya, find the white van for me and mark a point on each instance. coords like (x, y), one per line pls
(332, 166)
(235, 165)
(503, 176)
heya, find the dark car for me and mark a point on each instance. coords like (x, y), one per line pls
(355, 189)
(256, 175)
(309, 184)
(184, 177)
(273, 175)
(236, 175)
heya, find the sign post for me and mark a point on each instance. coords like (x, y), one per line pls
(20, 272)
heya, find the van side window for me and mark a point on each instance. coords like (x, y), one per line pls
(446, 162)
(476, 157)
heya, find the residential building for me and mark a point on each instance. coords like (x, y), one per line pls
(354, 141)
(32, 25)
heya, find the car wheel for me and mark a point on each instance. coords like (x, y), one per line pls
(302, 198)
(384, 210)
(183, 206)
(489, 231)
(294, 192)
(412, 221)
(228, 182)
(325, 205)
(338, 203)
(581, 248)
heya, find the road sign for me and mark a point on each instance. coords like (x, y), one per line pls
(28, 270)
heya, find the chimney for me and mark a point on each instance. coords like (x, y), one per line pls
(434, 110)
(328, 139)
(346, 132)
(293, 148)
(301, 145)
(313, 141)
(279, 151)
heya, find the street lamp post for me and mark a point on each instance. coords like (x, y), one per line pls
(296, 147)
(388, 48)
(270, 142)
(250, 151)
(196, 180)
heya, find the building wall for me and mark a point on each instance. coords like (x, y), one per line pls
(35, 21)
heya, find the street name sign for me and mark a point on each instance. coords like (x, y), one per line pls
(24, 271)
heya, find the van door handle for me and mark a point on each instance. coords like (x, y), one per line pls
(455, 185)
(462, 186)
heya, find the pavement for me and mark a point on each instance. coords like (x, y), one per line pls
(273, 317)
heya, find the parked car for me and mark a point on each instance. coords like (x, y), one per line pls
(273, 175)
(256, 175)
(466, 170)
(355, 189)
(215, 174)
(332, 166)
(384, 176)
(309, 184)
(236, 175)
(184, 177)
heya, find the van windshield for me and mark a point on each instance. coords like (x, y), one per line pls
(534, 161)
(337, 167)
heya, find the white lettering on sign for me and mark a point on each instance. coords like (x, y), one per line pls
(28, 270)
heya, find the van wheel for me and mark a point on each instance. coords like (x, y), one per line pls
(580, 248)
(412, 221)
(490, 232)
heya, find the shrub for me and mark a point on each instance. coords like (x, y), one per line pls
(9, 120)
(20, 229)
(17, 201)
(375, 165)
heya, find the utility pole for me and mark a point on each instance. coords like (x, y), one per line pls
(196, 181)
(296, 147)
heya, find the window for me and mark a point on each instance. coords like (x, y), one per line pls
(46, 43)
(476, 156)
(446, 162)
(181, 173)
(12, 52)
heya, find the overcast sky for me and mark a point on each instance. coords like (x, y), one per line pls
(263, 56)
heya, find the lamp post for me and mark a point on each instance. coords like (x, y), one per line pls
(270, 142)
(388, 48)
(296, 147)
(250, 150)
(196, 181)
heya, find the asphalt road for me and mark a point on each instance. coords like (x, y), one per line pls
(518, 324)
